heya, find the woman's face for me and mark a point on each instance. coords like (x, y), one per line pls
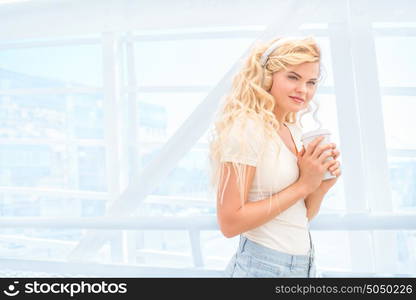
(294, 88)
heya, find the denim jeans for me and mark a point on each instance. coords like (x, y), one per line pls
(255, 260)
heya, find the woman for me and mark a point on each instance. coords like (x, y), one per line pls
(268, 186)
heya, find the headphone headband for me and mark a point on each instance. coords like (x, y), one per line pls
(274, 46)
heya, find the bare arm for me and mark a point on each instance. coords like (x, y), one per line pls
(313, 203)
(234, 219)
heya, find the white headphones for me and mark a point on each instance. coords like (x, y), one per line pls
(265, 56)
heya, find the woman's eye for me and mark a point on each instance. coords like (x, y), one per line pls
(294, 77)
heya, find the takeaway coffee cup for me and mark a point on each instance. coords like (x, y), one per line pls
(310, 136)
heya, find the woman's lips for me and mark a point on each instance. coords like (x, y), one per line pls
(297, 100)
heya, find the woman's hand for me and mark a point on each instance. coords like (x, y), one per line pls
(312, 164)
(335, 169)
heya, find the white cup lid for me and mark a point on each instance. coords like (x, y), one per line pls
(317, 132)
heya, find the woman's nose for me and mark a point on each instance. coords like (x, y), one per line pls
(301, 88)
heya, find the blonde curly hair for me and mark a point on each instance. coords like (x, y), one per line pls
(249, 98)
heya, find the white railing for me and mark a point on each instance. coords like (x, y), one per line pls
(333, 221)
(193, 224)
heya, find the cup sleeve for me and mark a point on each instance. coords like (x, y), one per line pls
(243, 144)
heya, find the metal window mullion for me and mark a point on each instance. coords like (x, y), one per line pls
(228, 34)
(72, 148)
(53, 43)
(111, 99)
(398, 91)
(132, 124)
(132, 240)
(210, 35)
(198, 223)
(196, 251)
(50, 91)
(410, 153)
(350, 140)
(371, 114)
(50, 141)
(326, 90)
(372, 129)
(54, 192)
(124, 237)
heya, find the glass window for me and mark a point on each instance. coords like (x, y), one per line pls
(49, 67)
(399, 121)
(165, 112)
(326, 61)
(399, 124)
(52, 116)
(395, 60)
(402, 171)
(200, 62)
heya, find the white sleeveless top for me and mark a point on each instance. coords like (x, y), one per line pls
(288, 231)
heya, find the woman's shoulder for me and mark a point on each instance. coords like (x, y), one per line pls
(247, 130)
(244, 142)
(249, 124)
